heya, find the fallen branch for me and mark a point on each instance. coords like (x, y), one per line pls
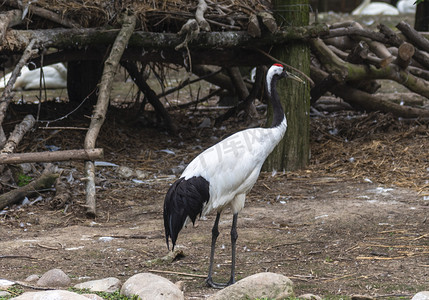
(14, 196)
(18, 133)
(50, 156)
(178, 273)
(99, 114)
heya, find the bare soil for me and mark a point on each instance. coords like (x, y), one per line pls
(353, 222)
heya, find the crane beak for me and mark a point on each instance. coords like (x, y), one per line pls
(292, 76)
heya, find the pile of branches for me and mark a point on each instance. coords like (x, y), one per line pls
(347, 61)
(153, 16)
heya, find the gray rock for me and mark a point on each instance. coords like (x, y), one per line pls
(54, 294)
(310, 297)
(151, 287)
(4, 294)
(261, 285)
(32, 278)
(54, 278)
(109, 285)
(125, 172)
(421, 296)
(93, 296)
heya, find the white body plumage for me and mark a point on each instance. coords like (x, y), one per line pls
(54, 77)
(375, 8)
(232, 166)
(406, 6)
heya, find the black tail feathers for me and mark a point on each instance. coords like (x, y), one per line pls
(185, 198)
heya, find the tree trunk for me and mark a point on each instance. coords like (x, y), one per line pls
(293, 151)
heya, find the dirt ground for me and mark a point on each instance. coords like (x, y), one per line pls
(353, 222)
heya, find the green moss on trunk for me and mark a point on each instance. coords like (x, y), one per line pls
(293, 151)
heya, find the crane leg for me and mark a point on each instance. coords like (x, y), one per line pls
(234, 236)
(215, 234)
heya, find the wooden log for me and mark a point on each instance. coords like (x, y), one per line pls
(413, 36)
(99, 114)
(253, 27)
(49, 156)
(61, 38)
(268, 20)
(14, 196)
(62, 195)
(405, 53)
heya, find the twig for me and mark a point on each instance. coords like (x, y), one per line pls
(63, 128)
(178, 273)
(17, 256)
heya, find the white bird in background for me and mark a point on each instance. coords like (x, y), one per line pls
(375, 8)
(406, 6)
(54, 77)
(223, 174)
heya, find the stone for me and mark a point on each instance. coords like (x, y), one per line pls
(421, 296)
(4, 294)
(54, 278)
(108, 285)
(310, 297)
(362, 297)
(262, 285)
(125, 172)
(32, 278)
(149, 286)
(54, 294)
(4, 283)
(93, 296)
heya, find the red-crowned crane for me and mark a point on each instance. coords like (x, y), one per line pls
(223, 174)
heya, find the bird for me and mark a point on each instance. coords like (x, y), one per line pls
(375, 8)
(406, 6)
(54, 77)
(223, 174)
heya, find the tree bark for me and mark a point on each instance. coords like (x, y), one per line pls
(99, 114)
(293, 152)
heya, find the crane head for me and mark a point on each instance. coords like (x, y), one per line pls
(280, 70)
